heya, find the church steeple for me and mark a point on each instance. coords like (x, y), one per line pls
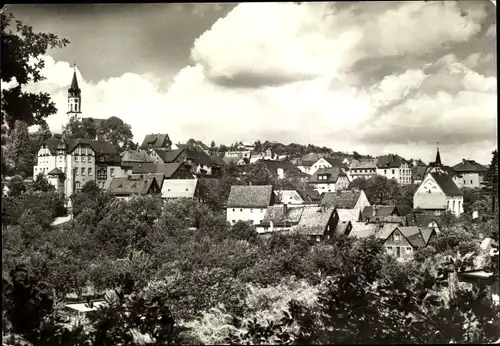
(438, 157)
(74, 97)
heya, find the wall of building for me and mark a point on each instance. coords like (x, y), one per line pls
(397, 241)
(471, 180)
(361, 203)
(402, 175)
(365, 173)
(321, 163)
(436, 199)
(455, 205)
(83, 160)
(255, 215)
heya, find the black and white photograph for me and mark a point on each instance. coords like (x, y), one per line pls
(256, 173)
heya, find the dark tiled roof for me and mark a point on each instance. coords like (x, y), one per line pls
(390, 161)
(254, 196)
(100, 147)
(55, 171)
(167, 169)
(313, 221)
(421, 220)
(469, 166)
(333, 174)
(446, 184)
(418, 172)
(217, 161)
(310, 196)
(168, 156)
(413, 235)
(155, 140)
(344, 200)
(380, 211)
(127, 186)
(306, 163)
(335, 162)
(426, 234)
(276, 214)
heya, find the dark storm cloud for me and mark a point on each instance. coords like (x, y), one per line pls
(250, 80)
(109, 40)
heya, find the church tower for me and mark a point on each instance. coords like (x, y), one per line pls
(438, 157)
(74, 98)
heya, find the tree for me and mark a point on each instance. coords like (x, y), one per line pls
(37, 138)
(42, 184)
(18, 151)
(116, 131)
(20, 45)
(258, 174)
(16, 186)
(75, 128)
(490, 182)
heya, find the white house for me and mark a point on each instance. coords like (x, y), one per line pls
(471, 172)
(395, 167)
(329, 180)
(364, 168)
(249, 203)
(325, 162)
(349, 204)
(439, 193)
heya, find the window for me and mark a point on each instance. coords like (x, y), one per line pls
(102, 158)
(83, 171)
(471, 181)
(464, 181)
(396, 237)
(408, 249)
(77, 184)
(392, 171)
(76, 171)
(453, 205)
(233, 221)
(89, 171)
(233, 209)
(76, 158)
(385, 171)
(112, 172)
(251, 210)
(83, 158)
(241, 210)
(318, 238)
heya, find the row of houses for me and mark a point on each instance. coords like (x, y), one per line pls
(341, 213)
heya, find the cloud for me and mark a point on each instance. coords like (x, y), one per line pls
(291, 73)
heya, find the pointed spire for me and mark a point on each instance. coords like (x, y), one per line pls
(438, 156)
(74, 83)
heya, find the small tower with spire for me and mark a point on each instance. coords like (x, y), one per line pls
(438, 157)
(74, 97)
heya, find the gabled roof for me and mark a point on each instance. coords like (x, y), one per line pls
(421, 220)
(335, 162)
(131, 186)
(168, 169)
(179, 188)
(333, 174)
(56, 171)
(446, 184)
(199, 156)
(136, 156)
(288, 197)
(426, 234)
(418, 172)
(380, 211)
(413, 235)
(469, 166)
(168, 156)
(348, 214)
(344, 200)
(253, 196)
(364, 164)
(310, 196)
(362, 229)
(306, 163)
(155, 140)
(390, 161)
(277, 215)
(232, 159)
(70, 144)
(313, 221)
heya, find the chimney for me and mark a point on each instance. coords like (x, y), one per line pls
(374, 211)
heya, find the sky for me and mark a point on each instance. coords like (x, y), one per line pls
(372, 77)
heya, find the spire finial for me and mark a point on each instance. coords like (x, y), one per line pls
(438, 145)
(74, 65)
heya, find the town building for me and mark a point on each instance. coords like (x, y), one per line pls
(348, 204)
(364, 168)
(329, 180)
(280, 170)
(156, 141)
(78, 160)
(306, 166)
(288, 197)
(180, 188)
(169, 170)
(402, 242)
(438, 193)
(133, 185)
(472, 173)
(394, 167)
(327, 162)
(379, 212)
(418, 174)
(195, 157)
(74, 98)
(249, 203)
